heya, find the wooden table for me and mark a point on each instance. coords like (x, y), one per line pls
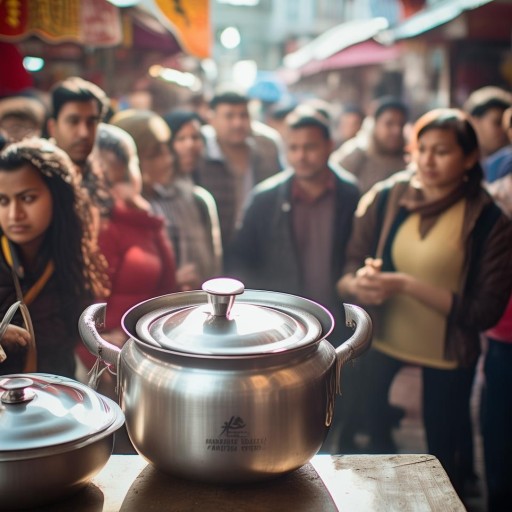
(328, 483)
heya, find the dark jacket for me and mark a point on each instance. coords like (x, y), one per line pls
(264, 254)
(55, 328)
(486, 279)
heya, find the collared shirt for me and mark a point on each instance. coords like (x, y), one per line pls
(313, 224)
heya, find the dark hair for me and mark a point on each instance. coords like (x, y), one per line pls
(486, 98)
(228, 96)
(70, 240)
(77, 89)
(456, 121)
(389, 103)
(305, 116)
(178, 118)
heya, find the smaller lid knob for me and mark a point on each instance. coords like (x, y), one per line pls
(221, 294)
(16, 390)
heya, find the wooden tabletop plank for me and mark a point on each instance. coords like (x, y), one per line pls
(379, 483)
(347, 483)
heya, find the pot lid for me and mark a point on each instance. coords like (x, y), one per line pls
(41, 410)
(225, 328)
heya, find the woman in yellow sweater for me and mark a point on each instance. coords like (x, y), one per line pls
(430, 255)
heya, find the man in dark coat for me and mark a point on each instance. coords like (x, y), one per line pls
(296, 225)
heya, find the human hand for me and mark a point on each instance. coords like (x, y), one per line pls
(372, 286)
(15, 335)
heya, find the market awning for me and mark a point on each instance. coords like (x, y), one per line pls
(428, 19)
(100, 24)
(335, 40)
(362, 54)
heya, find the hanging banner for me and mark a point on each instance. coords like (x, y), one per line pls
(189, 20)
(91, 22)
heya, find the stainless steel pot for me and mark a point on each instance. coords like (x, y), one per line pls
(227, 391)
(55, 435)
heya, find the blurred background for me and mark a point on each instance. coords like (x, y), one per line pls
(162, 53)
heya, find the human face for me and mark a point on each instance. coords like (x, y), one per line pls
(26, 207)
(188, 146)
(389, 131)
(75, 128)
(441, 162)
(157, 165)
(232, 123)
(490, 132)
(308, 152)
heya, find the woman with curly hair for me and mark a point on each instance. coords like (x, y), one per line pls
(48, 257)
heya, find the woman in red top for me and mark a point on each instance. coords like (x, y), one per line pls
(140, 257)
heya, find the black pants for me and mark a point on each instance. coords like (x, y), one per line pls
(497, 425)
(446, 411)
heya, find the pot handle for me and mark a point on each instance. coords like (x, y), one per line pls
(358, 343)
(92, 320)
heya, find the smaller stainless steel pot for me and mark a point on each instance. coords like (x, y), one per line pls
(56, 434)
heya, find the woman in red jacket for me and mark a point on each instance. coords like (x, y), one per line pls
(140, 257)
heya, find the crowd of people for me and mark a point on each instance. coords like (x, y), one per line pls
(411, 224)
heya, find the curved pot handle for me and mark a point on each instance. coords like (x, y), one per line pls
(92, 320)
(359, 342)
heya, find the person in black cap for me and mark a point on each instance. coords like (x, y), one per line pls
(187, 142)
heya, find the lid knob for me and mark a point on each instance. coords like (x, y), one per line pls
(221, 294)
(16, 390)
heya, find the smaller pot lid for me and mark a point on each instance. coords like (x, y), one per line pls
(41, 410)
(225, 328)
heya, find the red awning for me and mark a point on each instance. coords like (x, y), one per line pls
(362, 54)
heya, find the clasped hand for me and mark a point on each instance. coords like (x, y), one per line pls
(372, 286)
